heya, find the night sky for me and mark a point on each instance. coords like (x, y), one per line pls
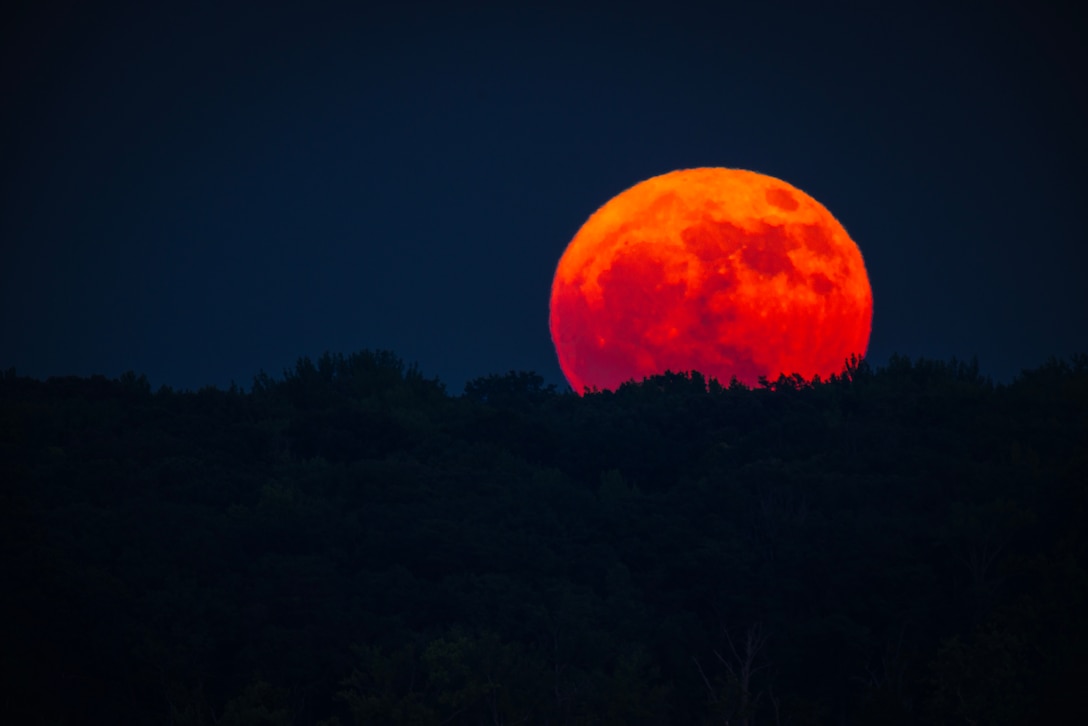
(202, 193)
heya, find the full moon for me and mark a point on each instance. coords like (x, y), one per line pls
(727, 272)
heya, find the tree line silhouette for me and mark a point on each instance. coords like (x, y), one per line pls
(351, 544)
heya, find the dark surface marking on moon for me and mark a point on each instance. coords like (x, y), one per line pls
(636, 292)
(710, 240)
(815, 238)
(766, 252)
(782, 199)
(660, 205)
(821, 283)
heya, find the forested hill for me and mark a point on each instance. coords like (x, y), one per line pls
(351, 544)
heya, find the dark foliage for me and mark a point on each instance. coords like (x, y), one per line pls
(349, 544)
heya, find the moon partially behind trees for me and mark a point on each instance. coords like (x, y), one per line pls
(728, 272)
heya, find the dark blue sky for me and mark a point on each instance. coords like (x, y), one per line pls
(201, 193)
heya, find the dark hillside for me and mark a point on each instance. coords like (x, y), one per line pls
(351, 544)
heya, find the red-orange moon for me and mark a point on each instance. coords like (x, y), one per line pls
(722, 271)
